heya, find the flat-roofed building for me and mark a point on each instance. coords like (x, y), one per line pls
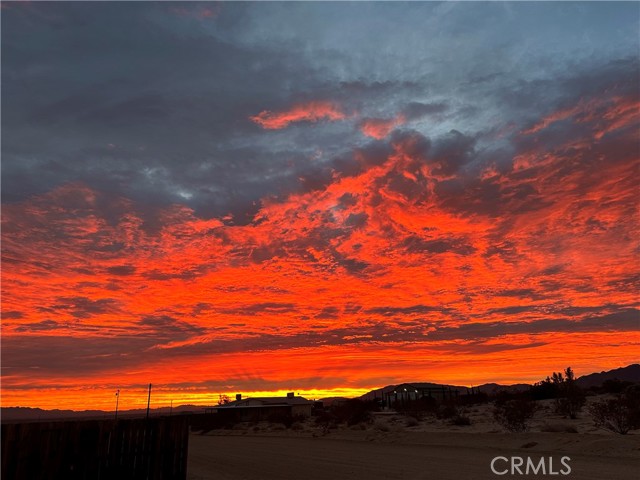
(262, 408)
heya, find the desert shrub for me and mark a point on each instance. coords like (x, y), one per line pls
(418, 408)
(570, 397)
(381, 426)
(299, 418)
(353, 411)
(619, 414)
(514, 412)
(570, 405)
(544, 390)
(411, 422)
(326, 420)
(461, 420)
(632, 392)
(614, 386)
(447, 411)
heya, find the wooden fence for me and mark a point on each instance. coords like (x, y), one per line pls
(135, 449)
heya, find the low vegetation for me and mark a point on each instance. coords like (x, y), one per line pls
(568, 397)
(619, 414)
(514, 411)
(461, 420)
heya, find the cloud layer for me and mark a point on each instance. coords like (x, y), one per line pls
(222, 197)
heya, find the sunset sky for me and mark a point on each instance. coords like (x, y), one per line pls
(314, 197)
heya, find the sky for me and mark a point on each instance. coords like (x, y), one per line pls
(325, 198)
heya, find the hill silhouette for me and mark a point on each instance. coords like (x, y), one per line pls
(630, 373)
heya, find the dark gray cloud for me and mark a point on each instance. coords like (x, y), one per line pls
(623, 320)
(516, 292)
(417, 110)
(388, 311)
(152, 101)
(452, 151)
(328, 313)
(43, 325)
(167, 327)
(121, 270)
(83, 307)
(148, 340)
(265, 307)
(144, 112)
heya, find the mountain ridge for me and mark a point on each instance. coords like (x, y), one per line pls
(630, 373)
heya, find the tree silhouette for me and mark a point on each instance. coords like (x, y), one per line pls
(570, 397)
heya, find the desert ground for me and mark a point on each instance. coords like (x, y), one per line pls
(397, 447)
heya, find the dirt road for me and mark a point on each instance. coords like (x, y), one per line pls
(407, 457)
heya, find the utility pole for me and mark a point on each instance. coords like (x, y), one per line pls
(117, 399)
(148, 401)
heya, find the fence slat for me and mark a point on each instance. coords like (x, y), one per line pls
(145, 449)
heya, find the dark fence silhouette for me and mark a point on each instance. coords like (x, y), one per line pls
(145, 449)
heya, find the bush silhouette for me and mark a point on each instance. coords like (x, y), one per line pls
(461, 420)
(570, 397)
(448, 410)
(614, 385)
(352, 412)
(417, 408)
(619, 414)
(544, 390)
(513, 412)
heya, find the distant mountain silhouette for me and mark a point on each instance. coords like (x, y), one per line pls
(630, 373)
(27, 414)
(485, 388)
(490, 388)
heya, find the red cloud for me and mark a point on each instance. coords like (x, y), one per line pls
(389, 268)
(554, 117)
(606, 115)
(379, 128)
(309, 112)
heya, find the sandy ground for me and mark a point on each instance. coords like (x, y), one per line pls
(395, 447)
(411, 455)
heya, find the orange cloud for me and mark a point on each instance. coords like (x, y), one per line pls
(389, 274)
(379, 128)
(309, 112)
